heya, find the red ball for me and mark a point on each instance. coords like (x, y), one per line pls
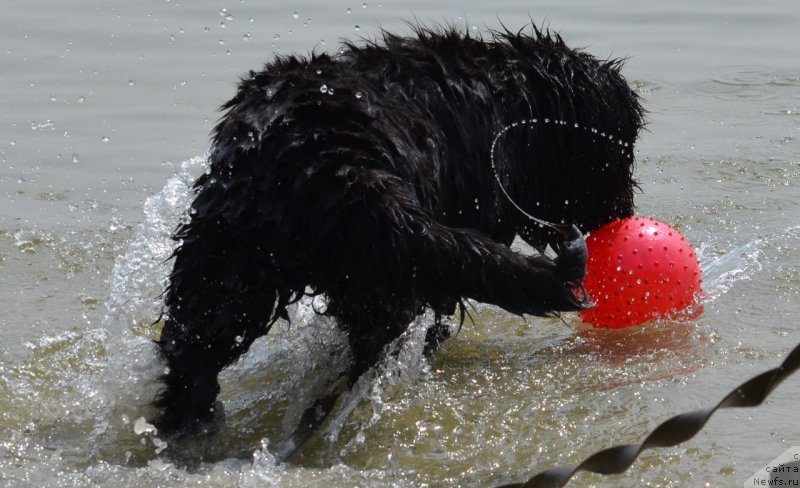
(640, 269)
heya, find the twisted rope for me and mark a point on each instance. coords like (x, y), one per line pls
(674, 431)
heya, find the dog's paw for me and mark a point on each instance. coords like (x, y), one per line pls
(179, 425)
(572, 257)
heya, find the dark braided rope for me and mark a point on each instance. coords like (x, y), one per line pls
(680, 428)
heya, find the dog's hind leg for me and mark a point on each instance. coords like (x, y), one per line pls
(220, 298)
(371, 325)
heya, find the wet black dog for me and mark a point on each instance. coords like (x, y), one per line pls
(366, 177)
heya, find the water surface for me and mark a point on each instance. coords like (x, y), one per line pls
(105, 110)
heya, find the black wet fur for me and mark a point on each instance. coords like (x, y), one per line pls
(380, 195)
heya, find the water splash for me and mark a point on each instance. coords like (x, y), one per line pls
(722, 272)
(741, 263)
(127, 384)
(395, 372)
(140, 274)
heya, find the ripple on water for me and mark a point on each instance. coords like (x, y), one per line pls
(754, 83)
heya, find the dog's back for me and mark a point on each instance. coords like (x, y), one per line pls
(425, 108)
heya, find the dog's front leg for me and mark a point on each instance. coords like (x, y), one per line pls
(465, 263)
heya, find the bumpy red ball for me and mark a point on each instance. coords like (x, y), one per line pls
(640, 269)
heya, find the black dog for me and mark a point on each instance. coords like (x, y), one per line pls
(366, 177)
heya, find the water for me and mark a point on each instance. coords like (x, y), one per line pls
(105, 110)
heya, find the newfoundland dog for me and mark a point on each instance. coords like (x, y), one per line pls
(367, 177)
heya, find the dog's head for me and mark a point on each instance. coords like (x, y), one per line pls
(574, 178)
(574, 164)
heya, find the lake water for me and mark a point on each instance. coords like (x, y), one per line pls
(105, 110)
